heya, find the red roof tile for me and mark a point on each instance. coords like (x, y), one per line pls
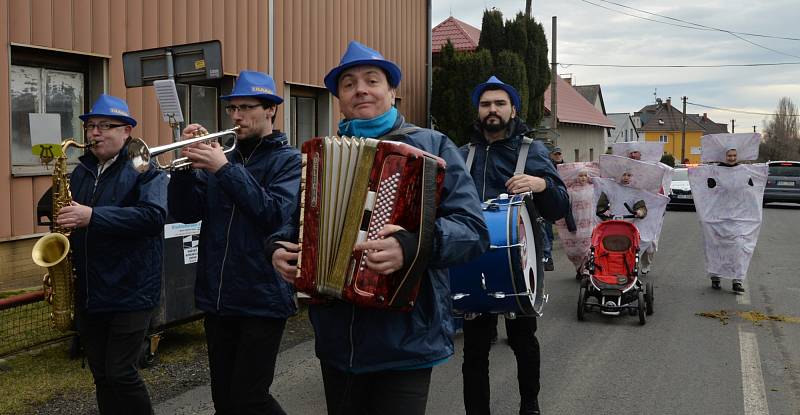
(573, 108)
(462, 35)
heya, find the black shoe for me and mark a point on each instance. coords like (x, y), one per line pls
(737, 287)
(715, 284)
(548, 264)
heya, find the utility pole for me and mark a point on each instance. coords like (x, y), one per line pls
(528, 4)
(754, 129)
(733, 126)
(553, 86)
(683, 131)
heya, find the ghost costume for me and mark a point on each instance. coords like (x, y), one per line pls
(650, 151)
(618, 196)
(576, 244)
(728, 201)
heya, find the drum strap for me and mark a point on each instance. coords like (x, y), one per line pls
(522, 157)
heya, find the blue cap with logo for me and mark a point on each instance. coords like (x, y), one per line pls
(357, 55)
(495, 84)
(256, 85)
(111, 107)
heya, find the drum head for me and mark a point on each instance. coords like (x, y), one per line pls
(529, 258)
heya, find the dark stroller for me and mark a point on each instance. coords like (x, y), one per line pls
(613, 284)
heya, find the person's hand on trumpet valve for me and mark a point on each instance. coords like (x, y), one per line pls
(523, 183)
(206, 156)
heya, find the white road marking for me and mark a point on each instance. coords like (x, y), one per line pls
(753, 390)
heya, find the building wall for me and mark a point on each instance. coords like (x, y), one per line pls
(673, 144)
(309, 38)
(588, 140)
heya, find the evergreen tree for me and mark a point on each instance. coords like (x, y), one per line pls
(537, 64)
(510, 68)
(493, 33)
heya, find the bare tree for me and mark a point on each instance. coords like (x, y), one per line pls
(782, 133)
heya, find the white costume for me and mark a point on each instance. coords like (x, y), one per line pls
(576, 244)
(728, 201)
(650, 151)
(618, 195)
(647, 179)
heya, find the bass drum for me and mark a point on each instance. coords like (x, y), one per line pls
(509, 277)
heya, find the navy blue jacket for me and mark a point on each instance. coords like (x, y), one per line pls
(361, 340)
(241, 206)
(494, 164)
(118, 257)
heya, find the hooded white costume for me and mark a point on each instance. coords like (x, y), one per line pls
(728, 201)
(646, 180)
(650, 151)
(576, 244)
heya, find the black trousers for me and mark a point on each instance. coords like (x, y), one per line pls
(389, 392)
(241, 354)
(113, 343)
(477, 342)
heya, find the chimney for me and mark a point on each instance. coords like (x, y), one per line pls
(568, 80)
(705, 116)
(669, 101)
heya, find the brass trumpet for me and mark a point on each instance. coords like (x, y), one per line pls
(140, 155)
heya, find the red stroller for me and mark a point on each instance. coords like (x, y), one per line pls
(613, 284)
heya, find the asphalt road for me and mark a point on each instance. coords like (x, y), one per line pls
(678, 363)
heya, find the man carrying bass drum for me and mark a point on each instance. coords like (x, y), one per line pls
(498, 148)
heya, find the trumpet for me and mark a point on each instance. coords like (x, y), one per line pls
(139, 154)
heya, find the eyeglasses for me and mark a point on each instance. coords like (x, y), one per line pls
(230, 109)
(103, 126)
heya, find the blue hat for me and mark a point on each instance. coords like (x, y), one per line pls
(356, 55)
(254, 84)
(494, 82)
(111, 107)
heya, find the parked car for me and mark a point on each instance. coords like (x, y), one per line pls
(680, 193)
(783, 182)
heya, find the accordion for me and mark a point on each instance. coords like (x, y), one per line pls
(350, 189)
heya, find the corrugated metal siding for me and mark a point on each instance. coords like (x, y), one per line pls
(310, 37)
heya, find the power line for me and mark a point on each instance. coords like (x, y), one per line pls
(738, 111)
(698, 24)
(688, 25)
(726, 65)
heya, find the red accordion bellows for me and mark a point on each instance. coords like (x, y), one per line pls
(350, 189)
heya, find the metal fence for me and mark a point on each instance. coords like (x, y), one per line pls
(25, 322)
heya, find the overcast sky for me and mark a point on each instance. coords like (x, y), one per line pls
(588, 34)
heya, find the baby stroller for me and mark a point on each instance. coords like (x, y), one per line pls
(613, 284)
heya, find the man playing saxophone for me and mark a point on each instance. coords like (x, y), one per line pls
(116, 216)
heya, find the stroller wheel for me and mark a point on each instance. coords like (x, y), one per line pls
(581, 303)
(648, 298)
(642, 307)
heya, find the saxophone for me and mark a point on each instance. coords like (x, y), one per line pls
(52, 251)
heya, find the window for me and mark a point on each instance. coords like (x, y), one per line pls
(199, 105)
(308, 113)
(304, 118)
(663, 138)
(577, 155)
(46, 81)
(591, 154)
(625, 133)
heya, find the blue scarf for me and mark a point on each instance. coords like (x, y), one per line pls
(373, 127)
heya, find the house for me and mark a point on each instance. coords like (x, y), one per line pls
(662, 122)
(593, 94)
(463, 36)
(624, 130)
(582, 127)
(59, 56)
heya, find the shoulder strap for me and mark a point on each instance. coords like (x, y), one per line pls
(400, 132)
(470, 157)
(523, 155)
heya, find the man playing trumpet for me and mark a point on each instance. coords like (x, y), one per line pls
(242, 197)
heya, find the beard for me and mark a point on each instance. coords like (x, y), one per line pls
(500, 125)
